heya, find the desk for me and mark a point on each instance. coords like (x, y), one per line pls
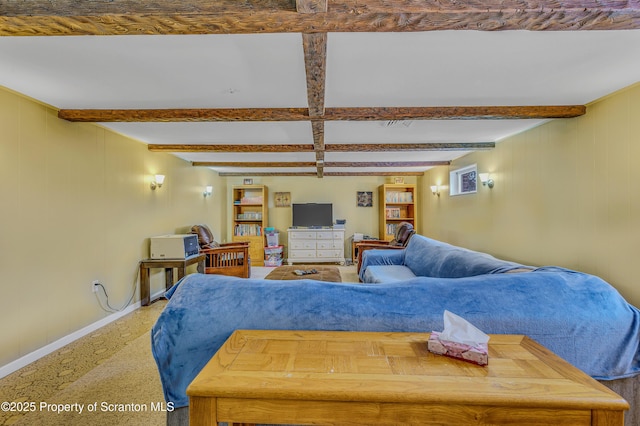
(355, 250)
(323, 377)
(168, 265)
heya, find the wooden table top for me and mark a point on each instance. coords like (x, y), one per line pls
(394, 367)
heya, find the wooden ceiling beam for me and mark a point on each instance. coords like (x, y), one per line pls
(454, 113)
(184, 115)
(400, 147)
(253, 164)
(330, 114)
(377, 147)
(264, 164)
(315, 61)
(128, 17)
(231, 148)
(250, 7)
(326, 174)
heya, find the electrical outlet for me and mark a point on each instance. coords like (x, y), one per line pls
(94, 285)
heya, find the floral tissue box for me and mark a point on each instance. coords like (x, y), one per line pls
(477, 354)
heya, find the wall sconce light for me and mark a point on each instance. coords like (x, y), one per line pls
(435, 189)
(208, 190)
(157, 183)
(486, 180)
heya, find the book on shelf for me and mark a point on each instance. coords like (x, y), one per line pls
(249, 216)
(399, 197)
(247, 230)
(392, 212)
(251, 200)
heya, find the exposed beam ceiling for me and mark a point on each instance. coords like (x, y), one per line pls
(314, 19)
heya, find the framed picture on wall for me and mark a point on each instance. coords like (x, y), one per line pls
(282, 199)
(248, 182)
(365, 199)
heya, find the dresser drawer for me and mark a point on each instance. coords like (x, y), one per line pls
(303, 245)
(330, 254)
(324, 235)
(302, 235)
(302, 254)
(328, 244)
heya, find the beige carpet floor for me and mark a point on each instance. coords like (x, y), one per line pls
(111, 369)
(111, 365)
(124, 390)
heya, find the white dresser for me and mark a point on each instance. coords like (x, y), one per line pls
(315, 245)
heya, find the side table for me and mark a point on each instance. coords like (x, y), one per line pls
(168, 265)
(369, 378)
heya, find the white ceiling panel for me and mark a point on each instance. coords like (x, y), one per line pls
(379, 156)
(243, 133)
(194, 71)
(416, 131)
(450, 68)
(267, 157)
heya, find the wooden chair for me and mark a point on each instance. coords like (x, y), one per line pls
(404, 232)
(224, 259)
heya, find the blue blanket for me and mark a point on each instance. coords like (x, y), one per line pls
(578, 316)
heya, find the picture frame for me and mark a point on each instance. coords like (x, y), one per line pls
(398, 180)
(247, 182)
(282, 199)
(364, 199)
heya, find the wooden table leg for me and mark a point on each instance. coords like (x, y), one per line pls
(202, 411)
(181, 271)
(144, 285)
(168, 278)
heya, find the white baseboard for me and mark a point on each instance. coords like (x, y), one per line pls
(13, 366)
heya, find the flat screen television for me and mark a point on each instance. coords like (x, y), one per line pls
(312, 214)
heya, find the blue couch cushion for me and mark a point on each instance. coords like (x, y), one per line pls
(432, 258)
(387, 273)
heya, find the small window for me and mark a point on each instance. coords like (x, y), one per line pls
(464, 180)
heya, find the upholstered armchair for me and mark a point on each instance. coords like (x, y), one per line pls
(223, 259)
(404, 231)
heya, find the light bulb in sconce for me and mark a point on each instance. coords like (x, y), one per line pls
(208, 190)
(435, 189)
(157, 182)
(486, 180)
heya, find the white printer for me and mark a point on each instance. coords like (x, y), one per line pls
(178, 246)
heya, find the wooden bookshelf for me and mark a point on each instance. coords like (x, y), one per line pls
(250, 218)
(398, 203)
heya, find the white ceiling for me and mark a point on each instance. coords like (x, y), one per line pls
(437, 68)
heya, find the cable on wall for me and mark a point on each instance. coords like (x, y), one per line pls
(108, 307)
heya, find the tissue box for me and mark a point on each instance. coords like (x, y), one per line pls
(478, 354)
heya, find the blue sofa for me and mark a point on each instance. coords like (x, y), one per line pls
(578, 316)
(425, 257)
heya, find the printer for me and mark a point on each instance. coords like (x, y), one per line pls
(177, 246)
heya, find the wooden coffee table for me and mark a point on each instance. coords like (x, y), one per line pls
(324, 273)
(315, 377)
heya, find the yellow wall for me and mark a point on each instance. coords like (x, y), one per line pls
(76, 206)
(565, 194)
